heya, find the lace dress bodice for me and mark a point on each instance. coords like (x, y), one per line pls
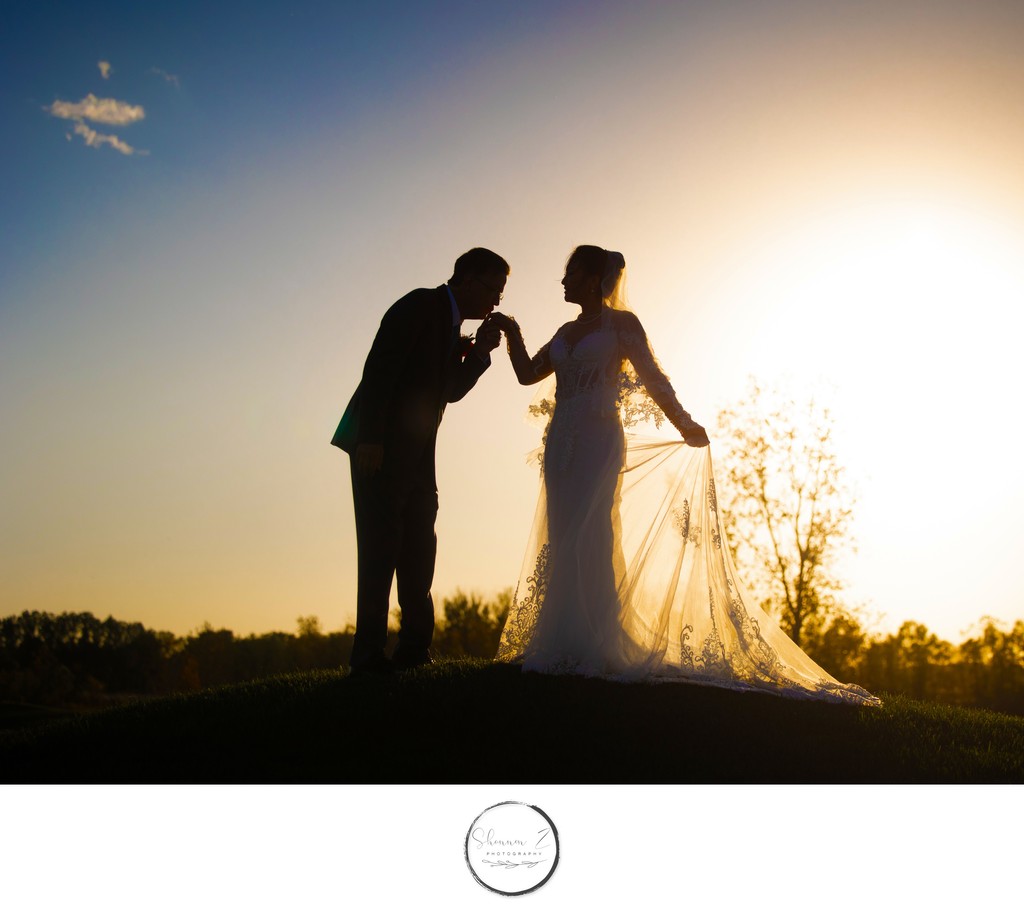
(592, 375)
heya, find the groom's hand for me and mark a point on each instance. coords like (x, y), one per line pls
(368, 458)
(503, 322)
(488, 336)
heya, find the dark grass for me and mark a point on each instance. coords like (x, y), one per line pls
(475, 722)
(14, 716)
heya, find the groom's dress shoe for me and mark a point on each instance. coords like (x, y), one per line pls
(378, 667)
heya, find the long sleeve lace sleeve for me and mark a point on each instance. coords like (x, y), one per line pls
(528, 369)
(540, 363)
(637, 349)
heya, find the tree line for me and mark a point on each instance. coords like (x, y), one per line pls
(77, 659)
(983, 671)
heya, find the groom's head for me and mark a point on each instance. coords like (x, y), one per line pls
(478, 281)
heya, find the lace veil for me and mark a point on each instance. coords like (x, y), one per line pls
(613, 282)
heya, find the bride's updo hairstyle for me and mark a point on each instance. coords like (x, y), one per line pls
(608, 265)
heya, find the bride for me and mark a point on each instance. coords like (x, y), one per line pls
(627, 574)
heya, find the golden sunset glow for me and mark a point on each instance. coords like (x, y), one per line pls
(832, 197)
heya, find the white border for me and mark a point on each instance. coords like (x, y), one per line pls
(272, 847)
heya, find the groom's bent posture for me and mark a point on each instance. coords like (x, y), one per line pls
(417, 364)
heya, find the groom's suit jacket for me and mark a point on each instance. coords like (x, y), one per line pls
(414, 368)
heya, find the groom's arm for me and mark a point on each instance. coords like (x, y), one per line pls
(476, 361)
(466, 375)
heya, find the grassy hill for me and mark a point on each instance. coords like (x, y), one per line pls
(475, 722)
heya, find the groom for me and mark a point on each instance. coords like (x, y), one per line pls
(418, 363)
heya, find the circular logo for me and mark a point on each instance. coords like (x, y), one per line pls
(512, 848)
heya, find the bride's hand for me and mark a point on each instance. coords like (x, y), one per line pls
(503, 322)
(696, 436)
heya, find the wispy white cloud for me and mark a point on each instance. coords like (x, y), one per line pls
(167, 77)
(99, 110)
(105, 68)
(95, 140)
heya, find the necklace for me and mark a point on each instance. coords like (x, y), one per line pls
(583, 320)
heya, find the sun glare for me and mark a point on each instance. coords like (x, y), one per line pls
(908, 317)
(913, 309)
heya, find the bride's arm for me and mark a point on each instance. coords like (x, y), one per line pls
(638, 349)
(528, 369)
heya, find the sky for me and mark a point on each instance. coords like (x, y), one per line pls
(208, 208)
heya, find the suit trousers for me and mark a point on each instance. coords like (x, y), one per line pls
(395, 539)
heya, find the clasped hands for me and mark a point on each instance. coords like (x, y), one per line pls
(488, 336)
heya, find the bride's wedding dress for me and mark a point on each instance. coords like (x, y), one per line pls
(627, 574)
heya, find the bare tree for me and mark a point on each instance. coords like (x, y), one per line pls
(786, 506)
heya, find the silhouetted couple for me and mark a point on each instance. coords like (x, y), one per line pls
(626, 574)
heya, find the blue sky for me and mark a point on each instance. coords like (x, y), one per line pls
(252, 81)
